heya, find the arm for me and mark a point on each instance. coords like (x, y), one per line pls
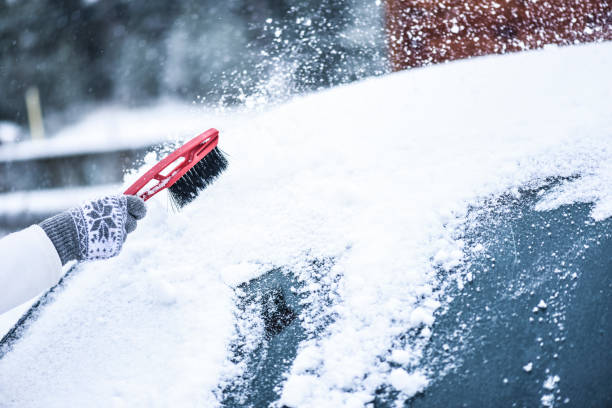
(30, 264)
(32, 259)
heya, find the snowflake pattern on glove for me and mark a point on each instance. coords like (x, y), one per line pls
(101, 214)
(100, 225)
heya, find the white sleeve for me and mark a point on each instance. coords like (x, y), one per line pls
(29, 264)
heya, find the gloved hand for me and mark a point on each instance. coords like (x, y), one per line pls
(95, 230)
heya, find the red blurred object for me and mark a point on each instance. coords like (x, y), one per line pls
(424, 32)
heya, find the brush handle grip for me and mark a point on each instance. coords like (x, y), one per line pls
(171, 168)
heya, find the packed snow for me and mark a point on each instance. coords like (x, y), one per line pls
(376, 175)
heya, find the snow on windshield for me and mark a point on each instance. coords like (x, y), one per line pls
(375, 175)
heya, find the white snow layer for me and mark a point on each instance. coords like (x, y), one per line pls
(375, 174)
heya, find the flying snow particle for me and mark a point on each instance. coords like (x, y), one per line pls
(551, 382)
(547, 400)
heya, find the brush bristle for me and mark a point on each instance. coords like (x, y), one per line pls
(200, 176)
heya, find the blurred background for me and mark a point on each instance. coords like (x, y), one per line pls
(80, 52)
(88, 87)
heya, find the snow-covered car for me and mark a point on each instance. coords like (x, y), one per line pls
(437, 237)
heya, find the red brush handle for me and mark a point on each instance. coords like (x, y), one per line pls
(191, 152)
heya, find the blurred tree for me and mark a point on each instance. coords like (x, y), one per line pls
(75, 51)
(81, 51)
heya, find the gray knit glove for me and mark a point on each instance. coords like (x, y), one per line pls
(95, 230)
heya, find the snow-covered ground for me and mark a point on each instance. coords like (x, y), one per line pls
(114, 128)
(376, 175)
(50, 201)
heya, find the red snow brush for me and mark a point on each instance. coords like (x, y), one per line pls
(185, 172)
